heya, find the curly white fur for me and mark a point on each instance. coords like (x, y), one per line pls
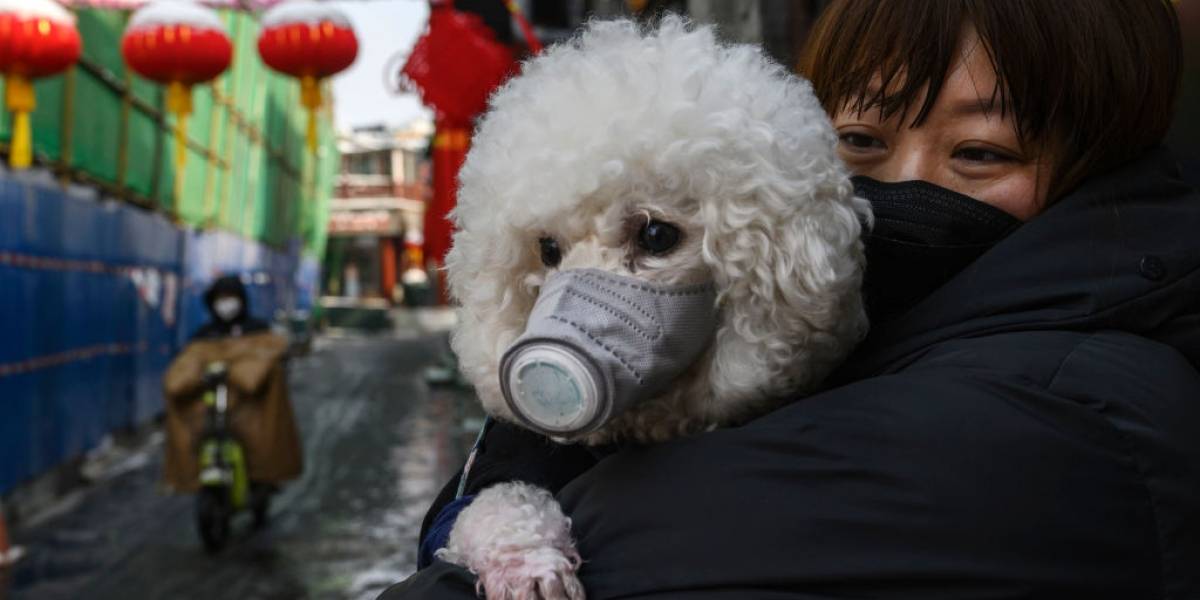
(516, 538)
(622, 125)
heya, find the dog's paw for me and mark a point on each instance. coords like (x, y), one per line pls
(517, 541)
(522, 574)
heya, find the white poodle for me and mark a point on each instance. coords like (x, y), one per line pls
(664, 163)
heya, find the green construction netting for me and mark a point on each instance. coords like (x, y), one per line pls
(248, 169)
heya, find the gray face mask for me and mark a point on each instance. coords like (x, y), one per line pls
(596, 343)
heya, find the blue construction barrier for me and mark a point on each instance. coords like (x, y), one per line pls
(96, 297)
(308, 282)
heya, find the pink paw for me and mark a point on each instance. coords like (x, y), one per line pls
(523, 574)
(517, 541)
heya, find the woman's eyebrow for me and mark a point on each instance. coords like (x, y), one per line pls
(967, 107)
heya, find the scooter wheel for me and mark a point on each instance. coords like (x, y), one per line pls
(260, 504)
(212, 518)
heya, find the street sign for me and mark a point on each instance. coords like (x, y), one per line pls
(380, 222)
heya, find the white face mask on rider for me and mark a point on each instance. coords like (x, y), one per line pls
(227, 308)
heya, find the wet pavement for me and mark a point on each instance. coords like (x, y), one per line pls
(379, 442)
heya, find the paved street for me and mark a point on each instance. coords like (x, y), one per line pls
(378, 443)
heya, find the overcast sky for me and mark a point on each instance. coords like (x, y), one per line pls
(384, 28)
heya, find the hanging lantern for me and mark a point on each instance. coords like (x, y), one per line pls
(309, 40)
(177, 43)
(37, 38)
(457, 64)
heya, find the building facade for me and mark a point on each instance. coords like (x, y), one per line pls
(375, 227)
(780, 26)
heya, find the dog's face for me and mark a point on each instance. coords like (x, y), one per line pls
(653, 236)
(667, 157)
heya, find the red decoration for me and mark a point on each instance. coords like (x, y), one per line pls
(177, 53)
(450, 146)
(310, 41)
(455, 66)
(37, 39)
(535, 45)
(179, 44)
(457, 63)
(307, 49)
(35, 47)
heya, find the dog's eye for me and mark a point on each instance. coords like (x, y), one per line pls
(551, 254)
(657, 237)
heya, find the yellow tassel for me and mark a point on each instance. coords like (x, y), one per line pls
(21, 155)
(19, 98)
(180, 143)
(310, 97)
(179, 103)
(179, 98)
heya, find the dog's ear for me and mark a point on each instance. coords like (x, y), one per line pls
(487, 268)
(788, 260)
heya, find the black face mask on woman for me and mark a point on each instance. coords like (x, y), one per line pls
(924, 235)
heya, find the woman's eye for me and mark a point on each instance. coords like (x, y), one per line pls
(657, 237)
(981, 155)
(860, 141)
(551, 254)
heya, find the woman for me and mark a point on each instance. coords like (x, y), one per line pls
(1024, 419)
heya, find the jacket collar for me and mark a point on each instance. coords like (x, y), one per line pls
(1120, 253)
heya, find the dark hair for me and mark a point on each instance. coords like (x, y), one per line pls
(1092, 81)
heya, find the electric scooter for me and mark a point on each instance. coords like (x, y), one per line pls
(225, 488)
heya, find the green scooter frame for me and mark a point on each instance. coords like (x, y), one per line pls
(224, 485)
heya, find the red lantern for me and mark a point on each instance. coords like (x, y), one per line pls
(37, 38)
(180, 44)
(311, 41)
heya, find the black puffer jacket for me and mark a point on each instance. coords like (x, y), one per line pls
(1029, 430)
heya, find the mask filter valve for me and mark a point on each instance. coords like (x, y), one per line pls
(597, 343)
(553, 388)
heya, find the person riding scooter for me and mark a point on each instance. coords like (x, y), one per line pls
(255, 405)
(228, 306)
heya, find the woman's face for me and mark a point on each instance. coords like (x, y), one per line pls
(963, 144)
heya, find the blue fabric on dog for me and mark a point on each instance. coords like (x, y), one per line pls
(439, 532)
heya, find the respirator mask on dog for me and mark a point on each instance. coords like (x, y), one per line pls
(597, 343)
(924, 235)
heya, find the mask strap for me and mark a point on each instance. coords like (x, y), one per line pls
(462, 481)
